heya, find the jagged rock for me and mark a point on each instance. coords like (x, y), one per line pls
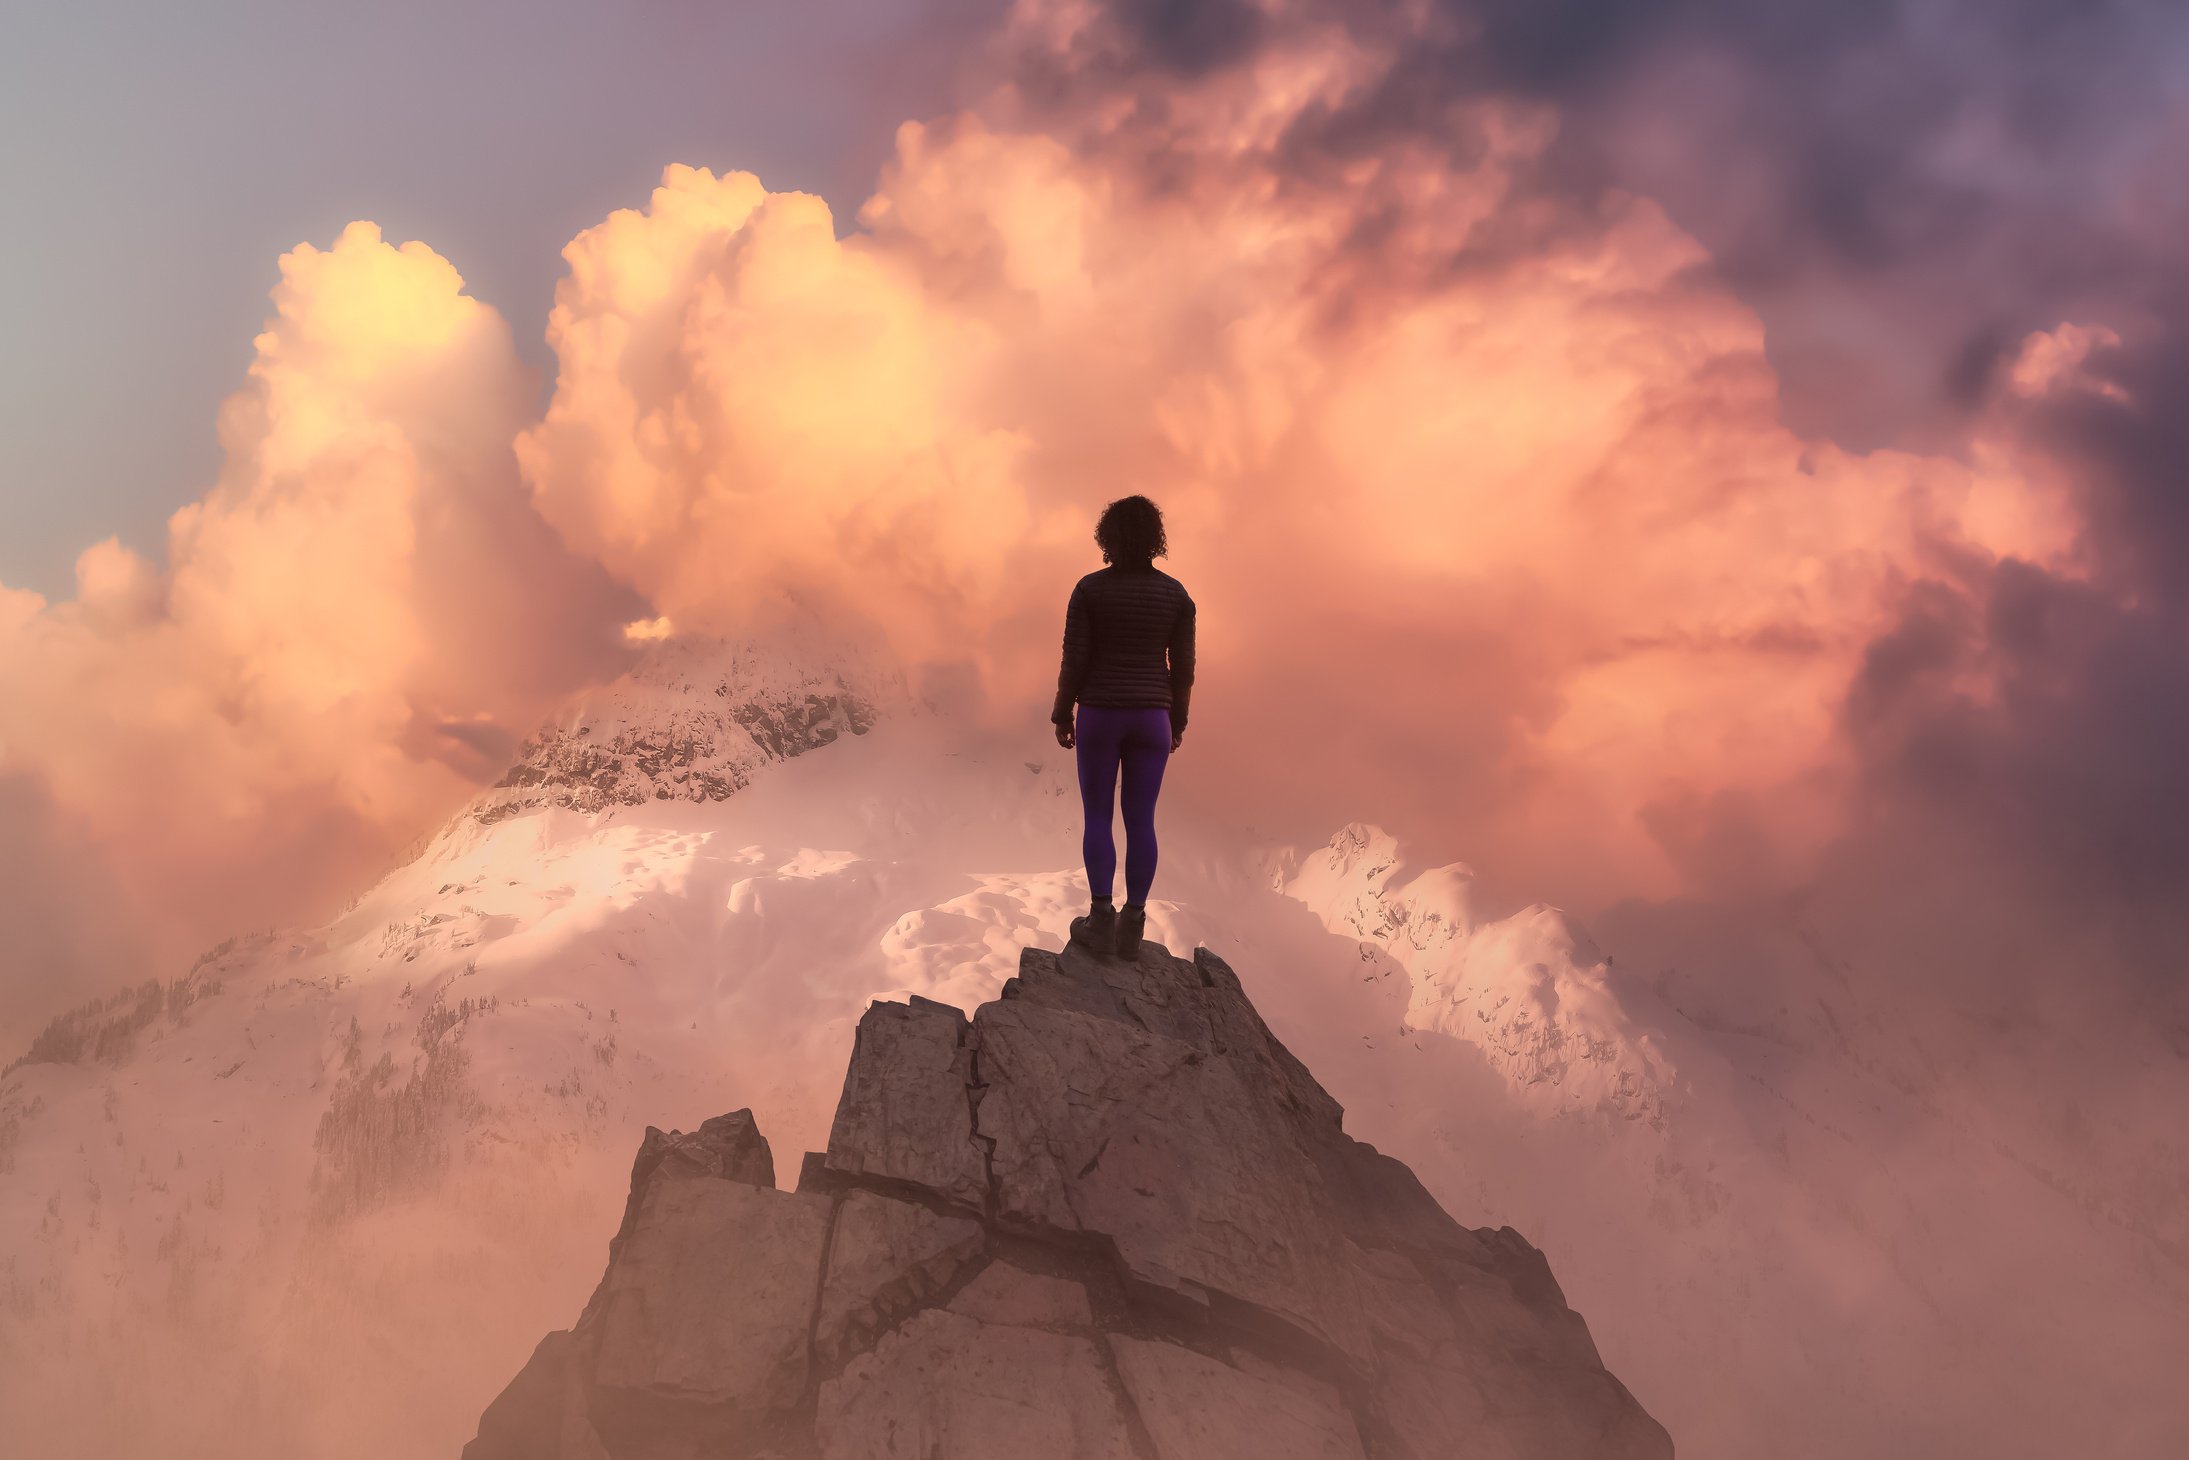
(1007, 1293)
(729, 1146)
(1110, 1215)
(906, 1114)
(543, 1411)
(948, 1385)
(1198, 1408)
(885, 1257)
(696, 719)
(701, 1326)
(710, 1304)
(1100, 1127)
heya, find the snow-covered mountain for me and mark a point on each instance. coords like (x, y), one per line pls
(319, 1195)
(697, 718)
(1818, 1232)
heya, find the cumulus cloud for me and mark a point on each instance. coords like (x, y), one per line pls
(1475, 457)
(243, 732)
(1530, 534)
(69, 927)
(1903, 189)
(747, 405)
(2027, 718)
(1513, 377)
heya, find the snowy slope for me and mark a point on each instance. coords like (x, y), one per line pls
(318, 1196)
(697, 718)
(1808, 1232)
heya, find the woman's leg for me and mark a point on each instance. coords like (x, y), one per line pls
(1144, 749)
(1095, 732)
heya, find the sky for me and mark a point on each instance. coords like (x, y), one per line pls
(1709, 457)
(156, 161)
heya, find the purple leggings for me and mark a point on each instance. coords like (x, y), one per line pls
(1140, 740)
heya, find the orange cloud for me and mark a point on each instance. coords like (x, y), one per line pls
(1505, 547)
(1527, 551)
(257, 722)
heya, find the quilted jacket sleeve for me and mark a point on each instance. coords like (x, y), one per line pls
(1181, 660)
(1078, 643)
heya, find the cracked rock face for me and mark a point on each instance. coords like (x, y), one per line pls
(1107, 1216)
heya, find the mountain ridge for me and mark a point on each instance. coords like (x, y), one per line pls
(696, 718)
(596, 972)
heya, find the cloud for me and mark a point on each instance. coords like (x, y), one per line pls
(1533, 530)
(1902, 190)
(243, 733)
(2029, 717)
(1713, 467)
(69, 927)
(1852, 540)
(1475, 457)
(746, 404)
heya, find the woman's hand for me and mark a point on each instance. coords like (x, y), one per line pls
(1176, 736)
(1064, 734)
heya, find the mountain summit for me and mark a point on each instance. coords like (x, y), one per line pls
(696, 717)
(1108, 1216)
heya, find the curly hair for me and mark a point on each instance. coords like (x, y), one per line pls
(1131, 532)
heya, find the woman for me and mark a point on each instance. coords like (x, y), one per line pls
(1128, 666)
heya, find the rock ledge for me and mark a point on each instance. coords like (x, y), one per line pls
(1110, 1215)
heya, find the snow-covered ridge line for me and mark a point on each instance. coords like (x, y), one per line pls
(104, 1029)
(1532, 990)
(696, 718)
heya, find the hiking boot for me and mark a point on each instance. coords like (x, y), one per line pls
(1096, 929)
(1131, 923)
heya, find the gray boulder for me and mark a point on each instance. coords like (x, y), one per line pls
(1110, 1215)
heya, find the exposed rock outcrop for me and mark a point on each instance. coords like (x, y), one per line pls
(1108, 1216)
(695, 720)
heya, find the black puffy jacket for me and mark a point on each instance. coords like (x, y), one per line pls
(1128, 642)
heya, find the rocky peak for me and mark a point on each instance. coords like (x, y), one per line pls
(696, 717)
(1110, 1215)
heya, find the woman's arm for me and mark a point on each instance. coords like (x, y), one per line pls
(1181, 655)
(1078, 641)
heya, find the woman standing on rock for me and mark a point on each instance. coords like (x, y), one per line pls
(1128, 666)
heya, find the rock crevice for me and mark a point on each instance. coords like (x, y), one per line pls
(1110, 1215)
